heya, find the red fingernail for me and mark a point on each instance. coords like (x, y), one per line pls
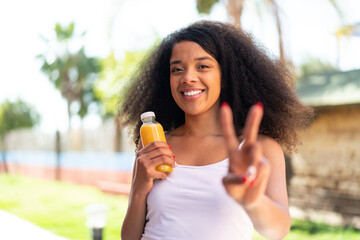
(252, 182)
(173, 156)
(260, 105)
(244, 179)
(169, 146)
(225, 104)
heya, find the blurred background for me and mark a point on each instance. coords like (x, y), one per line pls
(63, 64)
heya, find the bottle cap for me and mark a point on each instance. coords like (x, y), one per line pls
(147, 114)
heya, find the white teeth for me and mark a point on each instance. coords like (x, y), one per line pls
(192, 93)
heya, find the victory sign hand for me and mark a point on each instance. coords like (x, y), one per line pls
(249, 171)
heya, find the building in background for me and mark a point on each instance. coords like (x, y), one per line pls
(325, 172)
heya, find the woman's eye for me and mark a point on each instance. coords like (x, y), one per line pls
(174, 70)
(203, 66)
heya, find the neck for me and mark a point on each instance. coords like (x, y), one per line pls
(202, 125)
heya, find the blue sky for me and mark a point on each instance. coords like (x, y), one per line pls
(133, 24)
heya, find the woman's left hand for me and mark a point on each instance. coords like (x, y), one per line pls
(249, 170)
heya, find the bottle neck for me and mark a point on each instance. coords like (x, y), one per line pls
(148, 119)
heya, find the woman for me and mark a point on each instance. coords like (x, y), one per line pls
(227, 178)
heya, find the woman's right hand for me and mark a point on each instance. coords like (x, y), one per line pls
(147, 159)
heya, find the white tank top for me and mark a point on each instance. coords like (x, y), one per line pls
(192, 204)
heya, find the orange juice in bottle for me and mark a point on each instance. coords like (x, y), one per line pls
(152, 131)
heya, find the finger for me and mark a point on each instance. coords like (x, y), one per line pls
(256, 156)
(263, 172)
(231, 178)
(251, 172)
(152, 146)
(227, 127)
(159, 152)
(161, 160)
(160, 175)
(252, 124)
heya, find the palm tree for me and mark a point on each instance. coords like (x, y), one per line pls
(72, 73)
(235, 9)
(275, 9)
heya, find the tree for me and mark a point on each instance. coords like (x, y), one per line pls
(15, 115)
(72, 72)
(113, 76)
(235, 9)
(313, 66)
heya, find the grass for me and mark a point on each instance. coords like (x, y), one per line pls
(304, 230)
(59, 207)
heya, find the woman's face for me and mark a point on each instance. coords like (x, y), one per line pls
(195, 78)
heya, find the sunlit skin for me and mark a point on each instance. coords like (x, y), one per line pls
(195, 78)
(195, 81)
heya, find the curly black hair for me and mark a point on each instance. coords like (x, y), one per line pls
(249, 75)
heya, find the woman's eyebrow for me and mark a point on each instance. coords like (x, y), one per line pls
(205, 58)
(175, 62)
(197, 59)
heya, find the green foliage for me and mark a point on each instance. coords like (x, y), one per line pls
(313, 66)
(114, 76)
(205, 6)
(64, 33)
(16, 115)
(72, 72)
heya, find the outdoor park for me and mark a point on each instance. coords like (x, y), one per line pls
(65, 65)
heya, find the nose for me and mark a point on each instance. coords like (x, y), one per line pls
(189, 76)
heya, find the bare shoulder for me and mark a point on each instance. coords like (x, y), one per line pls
(271, 149)
(266, 141)
(276, 188)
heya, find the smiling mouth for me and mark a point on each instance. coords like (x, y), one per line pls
(192, 93)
